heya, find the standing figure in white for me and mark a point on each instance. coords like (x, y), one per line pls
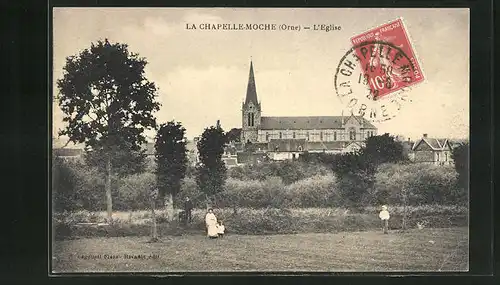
(211, 222)
(384, 216)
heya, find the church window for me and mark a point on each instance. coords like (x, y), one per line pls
(249, 120)
(334, 136)
(352, 134)
(281, 135)
(252, 117)
(293, 134)
(321, 136)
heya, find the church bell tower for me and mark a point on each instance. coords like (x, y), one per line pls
(250, 111)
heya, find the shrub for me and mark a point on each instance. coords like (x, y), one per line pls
(316, 191)
(191, 190)
(253, 193)
(288, 171)
(263, 221)
(425, 184)
(133, 192)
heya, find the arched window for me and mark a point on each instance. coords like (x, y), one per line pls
(293, 134)
(252, 117)
(352, 134)
(281, 135)
(249, 123)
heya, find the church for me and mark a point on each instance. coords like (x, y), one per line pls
(287, 137)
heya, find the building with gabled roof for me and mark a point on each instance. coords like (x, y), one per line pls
(287, 137)
(432, 150)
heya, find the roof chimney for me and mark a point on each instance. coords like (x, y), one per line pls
(425, 135)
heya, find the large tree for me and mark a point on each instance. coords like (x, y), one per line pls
(107, 102)
(383, 149)
(171, 162)
(356, 176)
(211, 171)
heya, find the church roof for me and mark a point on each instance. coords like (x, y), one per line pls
(251, 89)
(287, 144)
(307, 123)
(315, 146)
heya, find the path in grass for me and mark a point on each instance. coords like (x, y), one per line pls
(416, 250)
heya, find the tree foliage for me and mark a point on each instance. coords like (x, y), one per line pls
(355, 174)
(171, 158)
(460, 156)
(234, 135)
(383, 149)
(107, 102)
(125, 160)
(105, 97)
(211, 172)
(64, 185)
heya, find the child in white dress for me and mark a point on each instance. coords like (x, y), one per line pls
(384, 216)
(220, 229)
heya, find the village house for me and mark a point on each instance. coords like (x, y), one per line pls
(432, 150)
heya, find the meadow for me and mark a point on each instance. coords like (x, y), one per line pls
(428, 249)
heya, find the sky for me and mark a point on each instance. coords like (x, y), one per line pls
(202, 75)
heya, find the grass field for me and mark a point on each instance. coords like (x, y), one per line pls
(444, 249)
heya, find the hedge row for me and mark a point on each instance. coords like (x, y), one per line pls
(272, 221)
(394, 184)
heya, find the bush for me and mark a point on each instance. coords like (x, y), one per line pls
(133, 192)
(267, 221)
(316, 191)
(77, 186)
(425, 184)
(253, 193)
(191, 190)
(288, 171)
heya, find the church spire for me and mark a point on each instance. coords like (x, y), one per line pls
(251, 90)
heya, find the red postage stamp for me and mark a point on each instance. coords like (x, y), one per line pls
(387, 59)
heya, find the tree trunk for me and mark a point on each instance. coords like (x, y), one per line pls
(154, 233)
(169, 207)
(109, 200)
(404, 210)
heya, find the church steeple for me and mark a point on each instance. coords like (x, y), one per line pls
(251, 90)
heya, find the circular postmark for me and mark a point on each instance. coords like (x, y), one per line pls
(372, 80)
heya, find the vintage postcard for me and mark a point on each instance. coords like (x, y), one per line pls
(260, 140)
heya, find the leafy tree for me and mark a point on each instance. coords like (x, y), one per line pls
(234, 135)
(383, 149)
(355, 175)
(460, 156)
(125, 160)
(171, 161)
(107, 102)
(211, 171)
